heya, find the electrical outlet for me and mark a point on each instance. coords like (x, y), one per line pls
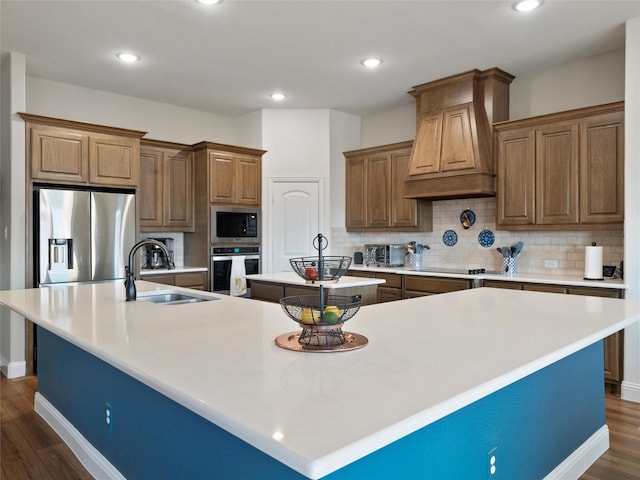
(551, 264)
(108, 415)
(492, 464)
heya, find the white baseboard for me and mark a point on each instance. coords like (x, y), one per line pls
(630, 391)
(95, 463)
(583, 457)
(14, 369)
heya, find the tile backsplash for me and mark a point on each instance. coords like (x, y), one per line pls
(554, 253)
(178, 244)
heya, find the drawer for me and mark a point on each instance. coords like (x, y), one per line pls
(542, 287)
(267, 291)
(435, 284)
(393, 280)
(595, 292)
(194, 280)
(501, 284)
(164, 279)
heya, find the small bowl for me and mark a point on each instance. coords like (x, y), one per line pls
(306, 309)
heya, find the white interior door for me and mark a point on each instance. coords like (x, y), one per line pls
(295, 213)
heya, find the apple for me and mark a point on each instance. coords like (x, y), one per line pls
(311, 273)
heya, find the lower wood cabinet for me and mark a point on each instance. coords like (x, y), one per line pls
(194, 280)
(418, 286)
(273, 292)
(389, 291)
(613, 344)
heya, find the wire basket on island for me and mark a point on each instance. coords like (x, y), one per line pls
(320, 269)
(311, 311)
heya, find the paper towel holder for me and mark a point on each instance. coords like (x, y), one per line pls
(593, 270)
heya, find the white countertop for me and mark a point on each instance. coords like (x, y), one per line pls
(292, 278)
(490, 275)
(164, 271)
(426, 358)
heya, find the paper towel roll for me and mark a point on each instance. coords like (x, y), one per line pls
(593, 263)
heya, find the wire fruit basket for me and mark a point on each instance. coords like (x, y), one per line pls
(320, 269)
(321, 316)
(308, 310)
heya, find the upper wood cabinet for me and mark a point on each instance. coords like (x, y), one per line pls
(375, 191)
(65, 151)
(232, 175)
(563, 171)
(235, 178)
(452, 152)
(165, 200)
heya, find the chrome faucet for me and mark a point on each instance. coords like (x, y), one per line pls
(129, 280)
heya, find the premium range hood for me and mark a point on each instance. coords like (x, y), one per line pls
(452, 154)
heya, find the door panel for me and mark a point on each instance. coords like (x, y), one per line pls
(294, 220)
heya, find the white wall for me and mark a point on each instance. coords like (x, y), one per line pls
(345, 135)
(12, 210)
(583, 83)
(631, 384)
(162, 121)
(308, 143)
(587, 82)
(391, 126)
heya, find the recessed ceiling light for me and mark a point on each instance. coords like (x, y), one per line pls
(128, 57)
(371, 62)
(209, 2)
(278, 96)
(527, 5)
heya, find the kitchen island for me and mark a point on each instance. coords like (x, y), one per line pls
(445, 383)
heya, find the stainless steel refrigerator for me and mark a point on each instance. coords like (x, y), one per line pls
(82, 236)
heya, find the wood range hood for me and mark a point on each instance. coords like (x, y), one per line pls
(452, 155)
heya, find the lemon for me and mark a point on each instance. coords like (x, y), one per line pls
(308, 316)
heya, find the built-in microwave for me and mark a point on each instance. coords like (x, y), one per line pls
(235, 225)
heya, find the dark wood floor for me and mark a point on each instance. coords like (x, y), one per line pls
(30, 449)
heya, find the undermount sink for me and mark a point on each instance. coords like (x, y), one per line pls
(172, 297)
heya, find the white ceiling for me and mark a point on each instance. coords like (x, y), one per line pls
(227, 58)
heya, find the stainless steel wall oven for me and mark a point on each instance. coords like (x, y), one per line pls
(221, 258)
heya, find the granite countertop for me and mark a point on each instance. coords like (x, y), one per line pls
(403, 351)
(292, 278)
(495, 275)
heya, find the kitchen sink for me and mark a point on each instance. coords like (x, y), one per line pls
(172, 297)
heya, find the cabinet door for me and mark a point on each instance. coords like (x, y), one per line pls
(150, 189)
(194, 280)
(356, 192)
(602, 169)
(557, 175)
(426, 153)
(457, 141)
(386, 294)
(113, 160)
(404, 211)
(516, 177)
(222, 181)
(249, 180)
(379, 191)
(178, 192)
(59, 154)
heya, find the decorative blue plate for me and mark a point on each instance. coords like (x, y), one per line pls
(469, 216)
(450, 238)
(486, 238)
